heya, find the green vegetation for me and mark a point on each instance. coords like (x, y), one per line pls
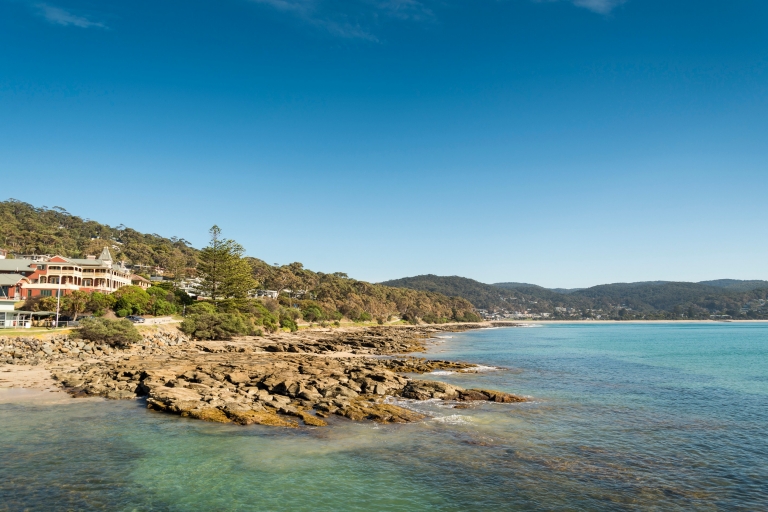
(331, 297)
(483, 296)
(228, 278)
(622, 301)
(25, 229)
(128, 300)
(116, 333)
(218, 326)
(224, 272)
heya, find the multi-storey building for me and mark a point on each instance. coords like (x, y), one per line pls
(61, 276)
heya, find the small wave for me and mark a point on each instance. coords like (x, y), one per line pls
(481, 369)
(453, 419)
(441, 372)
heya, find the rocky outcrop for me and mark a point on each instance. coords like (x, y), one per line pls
(45, 349)
(246, 381)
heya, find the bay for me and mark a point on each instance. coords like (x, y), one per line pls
(622, 417)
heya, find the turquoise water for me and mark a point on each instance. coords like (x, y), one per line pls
(624, 417)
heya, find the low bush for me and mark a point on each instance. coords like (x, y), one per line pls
(469, 317)
(115, 333)
(217, 326)
(200, 307)
(312, 313)
(289, 323)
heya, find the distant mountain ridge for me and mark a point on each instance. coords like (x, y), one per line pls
(649, 299)
(736, 284)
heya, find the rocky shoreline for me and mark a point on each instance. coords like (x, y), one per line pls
(273, 380)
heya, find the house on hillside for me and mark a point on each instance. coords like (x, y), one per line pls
(192, 286)
(58, 275)
(3, 254)
(272, 294)
(137, 280)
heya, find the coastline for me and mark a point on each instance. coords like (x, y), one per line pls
(274, 380)
(615, 322)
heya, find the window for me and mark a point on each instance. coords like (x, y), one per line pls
(45, 293)
(29, 294)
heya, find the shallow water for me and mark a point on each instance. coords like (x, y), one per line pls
(648, 416)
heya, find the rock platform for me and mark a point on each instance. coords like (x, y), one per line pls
(285, 379)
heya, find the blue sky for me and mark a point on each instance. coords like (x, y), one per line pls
(565, 143)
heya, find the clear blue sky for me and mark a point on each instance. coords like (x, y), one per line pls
(565, 143)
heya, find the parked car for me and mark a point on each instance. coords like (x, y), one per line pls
(135, 319)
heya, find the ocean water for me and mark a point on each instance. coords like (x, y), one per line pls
(622, 417)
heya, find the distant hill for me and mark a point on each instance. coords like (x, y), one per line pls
(736, 284)
(650, 299)
(483, 296)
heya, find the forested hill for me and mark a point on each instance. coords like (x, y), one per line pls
(26, 229)
(656, 299)
(736, 285)
(483, 296)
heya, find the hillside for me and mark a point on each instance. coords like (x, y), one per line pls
(649, 300)
(25, 229)
(736, 285)
(483, 296)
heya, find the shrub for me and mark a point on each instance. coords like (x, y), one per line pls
(256, 310)
(160, 293)
(122, 313)
(132, 298)
(116, 333)
(312, 314)
(468, 316)
(199, 308)
(217, 326)
(289, 323)
(100, 302)
(432, 318)
(162, 307)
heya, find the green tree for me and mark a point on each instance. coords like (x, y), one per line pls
(131, 300)
(99, 303)
(75, 303)
(222, 268)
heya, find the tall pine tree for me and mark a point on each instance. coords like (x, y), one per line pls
(224, 272)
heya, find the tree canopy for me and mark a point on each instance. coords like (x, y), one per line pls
(26, 229)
